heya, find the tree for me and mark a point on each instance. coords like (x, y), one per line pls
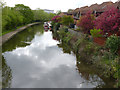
(2, 4)
(11, 18)
(51, 15)
(26, 12)
(40, 15)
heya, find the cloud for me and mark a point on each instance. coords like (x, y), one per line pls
(35, 67)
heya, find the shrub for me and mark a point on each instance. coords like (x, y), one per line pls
(56, 19)
(96, 32)
(86, 22)
(109, 21)
(113, 43)
(67, 20)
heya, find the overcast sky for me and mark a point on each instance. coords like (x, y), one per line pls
(62, 5)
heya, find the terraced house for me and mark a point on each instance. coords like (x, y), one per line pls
(96, 9)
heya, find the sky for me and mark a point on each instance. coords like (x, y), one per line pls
(55, 5)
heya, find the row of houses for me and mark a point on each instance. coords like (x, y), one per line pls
(96, 9)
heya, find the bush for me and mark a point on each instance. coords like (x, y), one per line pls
(56, 19)
(67, 20)
(109, 21)
(113, 43)
(96, 33)
(86, 22)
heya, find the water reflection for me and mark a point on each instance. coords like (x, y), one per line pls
(6, 75)
(22, 39)
(91, 76)
(86, 71)
(43, 64)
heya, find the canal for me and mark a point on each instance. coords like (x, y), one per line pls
(33, 59)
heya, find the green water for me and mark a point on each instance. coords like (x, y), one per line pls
(33, 59)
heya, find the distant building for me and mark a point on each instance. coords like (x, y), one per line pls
(48, 11)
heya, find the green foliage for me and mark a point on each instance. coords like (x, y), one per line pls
(76, 45)
(67, 20)
(68, 37)
(111, 63)
(57, 26)
(26, 12)
(19, 15)
(64, 35)
(51, 15)
(15, 16)
(89, 48)
(63, 28)
(40, 15)
(11, 18)
(96, 33)
(113, 43)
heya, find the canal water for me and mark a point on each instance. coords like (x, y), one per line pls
(33, 59)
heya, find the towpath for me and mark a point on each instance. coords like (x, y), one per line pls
(7, 36)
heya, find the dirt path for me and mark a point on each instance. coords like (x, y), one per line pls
(7, 36)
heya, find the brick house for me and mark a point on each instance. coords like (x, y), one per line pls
(96, 9)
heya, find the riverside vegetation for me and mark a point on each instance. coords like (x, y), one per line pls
(104, 58)
(90, 53)
(20, 15)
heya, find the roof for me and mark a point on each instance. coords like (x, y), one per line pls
(96, 7)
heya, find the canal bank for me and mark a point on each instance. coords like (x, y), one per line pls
(96, 57)
(7, 36)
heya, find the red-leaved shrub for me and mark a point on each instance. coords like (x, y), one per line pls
(86, 22)
(108, 21)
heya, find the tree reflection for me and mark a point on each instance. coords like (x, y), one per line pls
(66, 48)
(22, 39)
(19, 40)
(93, 75)
(6, 74)
(55, 35)
(87, 72)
